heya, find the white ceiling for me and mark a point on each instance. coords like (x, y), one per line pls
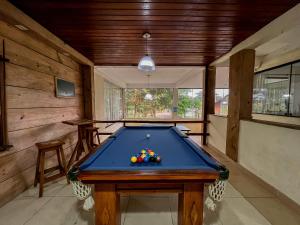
(164, 76)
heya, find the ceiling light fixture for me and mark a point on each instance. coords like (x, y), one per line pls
(146, 63)
(148, 96)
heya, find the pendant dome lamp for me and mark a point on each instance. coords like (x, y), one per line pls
(148, 96)
(146, 63)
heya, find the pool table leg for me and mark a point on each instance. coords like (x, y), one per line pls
(107, 205)
(190, 204)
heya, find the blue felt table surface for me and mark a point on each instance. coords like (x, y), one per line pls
(177, 152)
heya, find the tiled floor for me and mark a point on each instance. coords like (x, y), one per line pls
(245, 203)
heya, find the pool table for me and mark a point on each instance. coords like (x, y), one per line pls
(184, 168)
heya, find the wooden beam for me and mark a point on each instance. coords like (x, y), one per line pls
(209, 81)
(3, 112)
(14, 16)
(278, 26)
(241, 74)
(88, 91)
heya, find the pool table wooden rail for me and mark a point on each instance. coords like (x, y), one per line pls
(147, 175)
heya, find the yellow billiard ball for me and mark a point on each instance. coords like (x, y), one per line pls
(133, 159)
(143, 151)
(143, 155)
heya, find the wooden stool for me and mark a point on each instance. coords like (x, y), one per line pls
(40, 172)
(90, 133)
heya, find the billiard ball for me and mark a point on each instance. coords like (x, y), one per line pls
(158, 159)
(148, 135)
(152, 159)
(133, 159)
(140, 159)
(143, 155)
(151, 153)
(146, 159)
(143, 151)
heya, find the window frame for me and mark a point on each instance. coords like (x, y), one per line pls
(289, 88)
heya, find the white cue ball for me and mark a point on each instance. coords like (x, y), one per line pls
(148, 135)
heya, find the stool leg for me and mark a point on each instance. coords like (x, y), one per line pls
(98, 138)
(89, 140)
(64, 163)
(61, 168)
(37, 169)
(42, 173)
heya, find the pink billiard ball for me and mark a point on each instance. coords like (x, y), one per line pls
(158, 159)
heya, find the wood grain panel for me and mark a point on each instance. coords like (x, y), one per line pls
(13, 186)
(15, 163)
(68, 61)
(26, 57)
(27, 118)
(34, 113)
(18, 98)
(86, 24)
(20, 76)
(18, 183)
(22, 38)
(22, 139)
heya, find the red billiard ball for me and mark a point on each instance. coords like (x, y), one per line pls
(140, 159)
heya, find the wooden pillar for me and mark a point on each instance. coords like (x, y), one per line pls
(88, 91)
(241, 74)
(209, 83)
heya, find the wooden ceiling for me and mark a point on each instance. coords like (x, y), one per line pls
(183, 32)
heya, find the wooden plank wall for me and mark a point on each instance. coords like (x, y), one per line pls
(34, 113)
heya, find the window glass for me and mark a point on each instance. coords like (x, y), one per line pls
(148, 103)
(295, 90)
(189, 103)
(221, 101)
(113, 101)
(271, 91)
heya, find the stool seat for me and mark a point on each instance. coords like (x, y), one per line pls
(49, 144)
(92, 128)
(40, 173)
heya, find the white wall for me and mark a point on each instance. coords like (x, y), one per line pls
(99, 97)
(273, 154)
(217, 129)
(278, 119)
